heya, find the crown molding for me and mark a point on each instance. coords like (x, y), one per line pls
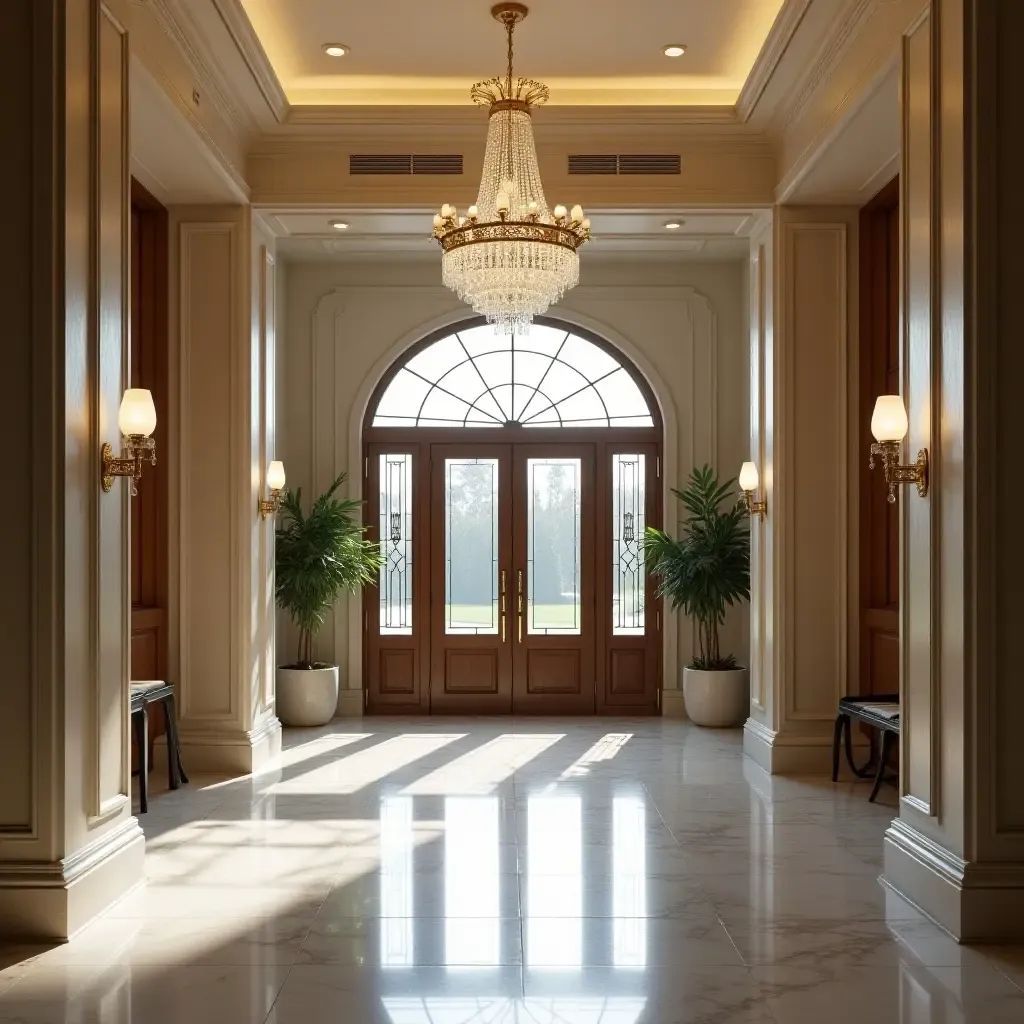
(466, 116)
(781, 35)
(236, 21)
(828, 58)
(174, 19)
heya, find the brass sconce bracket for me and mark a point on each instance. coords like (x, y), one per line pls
(755, 508)
(136, 450)
(269, 506)
(916, 473)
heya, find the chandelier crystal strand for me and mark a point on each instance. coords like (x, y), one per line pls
(511, 256)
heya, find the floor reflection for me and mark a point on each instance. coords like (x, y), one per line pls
(465, 872)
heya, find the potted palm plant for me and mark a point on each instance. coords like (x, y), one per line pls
(319, 556)
(701, 574)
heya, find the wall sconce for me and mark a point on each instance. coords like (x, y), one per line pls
(748, 485)
(137, 420)
(889, 425)
(275, 484)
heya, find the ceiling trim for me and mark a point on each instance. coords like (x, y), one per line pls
(781, 35)
(832, 52)
(236, 21)
(179, 26)
(468, 116)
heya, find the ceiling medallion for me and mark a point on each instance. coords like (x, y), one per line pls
(510, 257)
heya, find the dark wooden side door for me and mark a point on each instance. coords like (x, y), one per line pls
(149, 508)
(555, 576)
(471, 514)
(880, 374)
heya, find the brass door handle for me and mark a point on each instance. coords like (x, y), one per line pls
(519, 604)
(502, 605)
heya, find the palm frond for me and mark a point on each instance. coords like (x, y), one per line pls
(707, 570)
(319, 556)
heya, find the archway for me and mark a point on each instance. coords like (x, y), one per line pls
(509, 480)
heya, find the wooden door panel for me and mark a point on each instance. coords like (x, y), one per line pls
(555, 572)
(880, 374)
(470, 550)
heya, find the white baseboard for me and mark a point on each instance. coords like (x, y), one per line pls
(974, 902)
(672, 704)
(55, 900)
(351, 703)
(785, 753)
(231, 752)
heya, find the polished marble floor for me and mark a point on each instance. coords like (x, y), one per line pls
(486, 871)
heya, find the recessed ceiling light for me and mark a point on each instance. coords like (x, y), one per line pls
(675, 50)
(338, 225)
(336, 49)
(673, 225)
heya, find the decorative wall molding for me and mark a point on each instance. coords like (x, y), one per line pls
(827, 59)
(237, 23)
(786, 23)
(179, 25)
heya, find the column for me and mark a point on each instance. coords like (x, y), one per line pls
(957, 847)
(802, 277)
(223, 394)
(69, 844)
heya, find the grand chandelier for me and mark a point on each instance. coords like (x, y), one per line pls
(510, 257)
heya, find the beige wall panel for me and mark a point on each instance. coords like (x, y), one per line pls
(108, 729)
(761, 451)
(65, 820)
(208, 562)
(918, 625)
(816, 263)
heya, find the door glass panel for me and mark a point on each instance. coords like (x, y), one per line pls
(628, 524)
(395, 504)
(471, 545)
(553, 545)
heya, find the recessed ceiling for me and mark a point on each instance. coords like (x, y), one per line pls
(589, 52)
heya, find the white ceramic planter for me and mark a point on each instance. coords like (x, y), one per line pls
(716, 699)
(307, 696)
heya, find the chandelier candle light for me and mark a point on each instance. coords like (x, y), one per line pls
(510, 257)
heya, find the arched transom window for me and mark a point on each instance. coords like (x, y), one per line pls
(549, 377)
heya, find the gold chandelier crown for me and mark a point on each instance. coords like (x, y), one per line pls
(510, 256)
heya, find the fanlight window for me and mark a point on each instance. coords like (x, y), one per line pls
(549, 377)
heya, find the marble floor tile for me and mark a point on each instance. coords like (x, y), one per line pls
(393, 943)
(890, 995)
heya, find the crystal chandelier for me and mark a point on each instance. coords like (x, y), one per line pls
(510, 257)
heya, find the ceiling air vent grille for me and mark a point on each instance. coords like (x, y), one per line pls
(405, 163)
(437, 163)
(593, 163)
(625, 163)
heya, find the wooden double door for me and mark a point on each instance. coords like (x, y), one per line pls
(512, 578)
